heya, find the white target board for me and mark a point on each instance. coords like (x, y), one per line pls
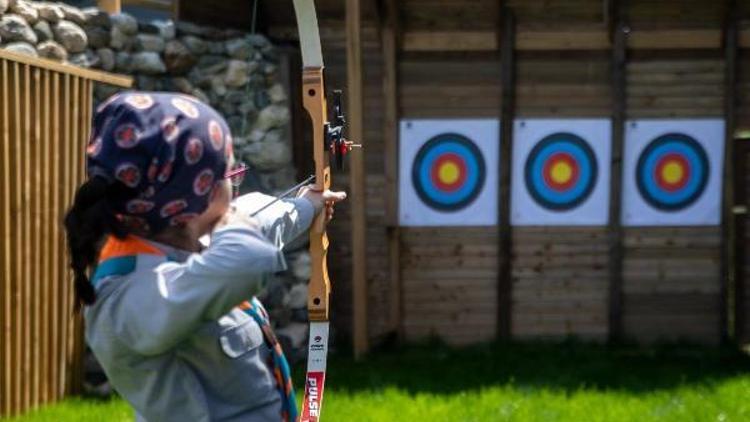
(672, 172)
(561, 172)
(448, 172)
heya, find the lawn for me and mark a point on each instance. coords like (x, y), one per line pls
(518, 382)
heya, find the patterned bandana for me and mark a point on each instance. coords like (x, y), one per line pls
(171, 149)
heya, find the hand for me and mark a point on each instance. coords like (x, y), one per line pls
(321, 200)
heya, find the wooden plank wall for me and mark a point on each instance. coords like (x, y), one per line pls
(560, 273)
(44, 124)
(448, 274)
(672, 275)
(743, 237)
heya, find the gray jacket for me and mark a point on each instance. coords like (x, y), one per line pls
(168, 334)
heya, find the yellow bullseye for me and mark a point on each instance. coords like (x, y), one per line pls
(561, 172)
(448, 173)
(672, 172)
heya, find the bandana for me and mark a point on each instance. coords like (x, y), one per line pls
(171, 151)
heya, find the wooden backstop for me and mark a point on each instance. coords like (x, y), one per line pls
(45, 113)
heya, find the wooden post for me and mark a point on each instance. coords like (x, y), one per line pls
(619, 62)
(507, 113)
(741, 332)
(109, 6)
(728, 261)
(390, 37)
(357, 192)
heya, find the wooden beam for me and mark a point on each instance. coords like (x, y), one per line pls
(358, 196)
(390, 38)
(110, 6)
(507, 114)
(619, 78)
(741, 328)
(728, 259)
(577, 40)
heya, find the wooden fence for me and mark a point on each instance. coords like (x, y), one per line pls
(45, 114)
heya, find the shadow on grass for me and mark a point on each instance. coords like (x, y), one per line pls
(435, 368)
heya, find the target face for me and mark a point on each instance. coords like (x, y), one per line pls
(558, 178)
(448, 172)
(672, 172)
(561, 171)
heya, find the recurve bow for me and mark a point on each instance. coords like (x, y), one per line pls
(328, 141)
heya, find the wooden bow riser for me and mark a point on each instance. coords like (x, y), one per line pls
(314, 101)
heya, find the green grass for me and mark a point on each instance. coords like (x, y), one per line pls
(519, 382)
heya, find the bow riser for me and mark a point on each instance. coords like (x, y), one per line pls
(314, 102)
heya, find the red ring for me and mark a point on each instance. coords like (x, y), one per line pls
(547, 171)
(672, 187)
(457, 161)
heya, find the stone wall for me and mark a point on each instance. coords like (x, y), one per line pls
(237, 73)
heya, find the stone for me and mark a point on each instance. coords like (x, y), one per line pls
(73, 14)
(256, 135)
(212, 64)
(50, 12)
(4, 4)
(146, 83)
(21, 48)
(96, 17)
(215, 47)
(166, 29)
(177, 58)
(71, 36)
(238, 48)
(300, 266)
(211, 33)
(14, 28)
(120, 40)
(277, 94)
(271, 117)
(218, 87)
(43, 31)
(106, 59)
(126, 23)
(199, 94)
(299, 315)
(195, 44)
(295, 334)
(52, 50)
(98, 37)
(86, 59)
(148, 42)
(26, 10)
(148, 62)
(261, 99)
(236, 74)
(123, 62)
(298, 296)
(257, 40)
(147, 28)
(182, 85)
(268, 156)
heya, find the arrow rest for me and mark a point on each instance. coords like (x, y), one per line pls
(335, 143)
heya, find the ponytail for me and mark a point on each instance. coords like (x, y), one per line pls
(88, 220)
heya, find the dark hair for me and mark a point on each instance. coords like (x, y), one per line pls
(87, 221)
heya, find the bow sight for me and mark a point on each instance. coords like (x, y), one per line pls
(337, 145)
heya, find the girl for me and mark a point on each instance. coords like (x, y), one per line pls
(165, 315)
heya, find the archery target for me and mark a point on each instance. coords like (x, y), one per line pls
(448, 172)
(673, 172)
(561, 171)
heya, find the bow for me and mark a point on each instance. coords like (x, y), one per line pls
(328, 141)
